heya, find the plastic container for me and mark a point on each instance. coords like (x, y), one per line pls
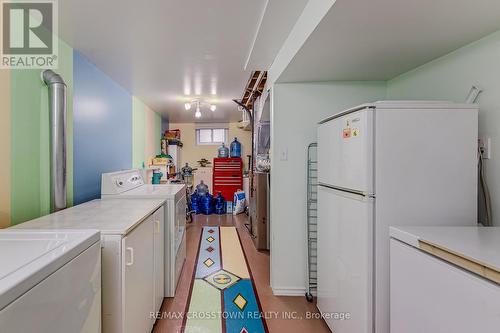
(195, 203)
(206, 204)
(202, 188)
(235, 148)
(220, 204)
(229, 207)
(156, 180)
(223, 151)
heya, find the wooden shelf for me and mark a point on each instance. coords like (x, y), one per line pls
(254, 88)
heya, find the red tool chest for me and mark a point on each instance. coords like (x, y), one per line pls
(227, 176)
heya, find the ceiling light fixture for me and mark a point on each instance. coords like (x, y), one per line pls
(197, 114)
(198, 103)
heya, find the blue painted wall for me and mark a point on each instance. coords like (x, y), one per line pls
(164, 125)
(102, 134)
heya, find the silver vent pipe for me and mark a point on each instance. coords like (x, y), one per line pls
(57, 106)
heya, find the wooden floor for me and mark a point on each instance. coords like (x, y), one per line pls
(276, 308)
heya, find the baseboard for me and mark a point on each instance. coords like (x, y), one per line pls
(279, 291)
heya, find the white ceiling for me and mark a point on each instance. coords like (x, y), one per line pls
(167, 52)
(379, 39)
(277, 21)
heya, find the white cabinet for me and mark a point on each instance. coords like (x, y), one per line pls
(430, 295)
(159, 257)
(138, 271)
(143, 273)
(137, 261)
(204, 174)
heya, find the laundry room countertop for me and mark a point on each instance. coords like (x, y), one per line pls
(476, 249)
(110, 217)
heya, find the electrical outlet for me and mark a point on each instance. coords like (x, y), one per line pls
(484, 145)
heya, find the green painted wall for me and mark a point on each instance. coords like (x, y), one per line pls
(296, 110)
(450, 78)
(146, 133)
(30, 166)
(5, 148)
(25, 131)
(157, 132)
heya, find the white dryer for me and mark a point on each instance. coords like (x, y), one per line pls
(130, 184)
(50, 281)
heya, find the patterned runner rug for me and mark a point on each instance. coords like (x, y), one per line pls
(222, 297)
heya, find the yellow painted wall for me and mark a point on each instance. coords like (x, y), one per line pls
(5, 148)
(191, 152)
(146, 133)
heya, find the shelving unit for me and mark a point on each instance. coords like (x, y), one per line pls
(312, 220)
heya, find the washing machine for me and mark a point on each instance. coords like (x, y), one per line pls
(130, 184)
(50, 281)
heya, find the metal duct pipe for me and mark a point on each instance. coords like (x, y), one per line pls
(57, 106)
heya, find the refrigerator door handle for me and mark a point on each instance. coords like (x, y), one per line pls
(348, 190)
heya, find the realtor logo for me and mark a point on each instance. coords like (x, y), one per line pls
(28, 34)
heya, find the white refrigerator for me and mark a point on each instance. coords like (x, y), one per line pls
(382, 164)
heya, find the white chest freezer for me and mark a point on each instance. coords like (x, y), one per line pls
(445, 279)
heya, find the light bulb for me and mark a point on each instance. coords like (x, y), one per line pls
(213, 107)
(187, 106)
(197, 114)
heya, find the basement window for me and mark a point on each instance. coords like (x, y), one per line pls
(211, 136)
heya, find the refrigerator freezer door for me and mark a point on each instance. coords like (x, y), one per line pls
(345, 262)
(345, 151)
